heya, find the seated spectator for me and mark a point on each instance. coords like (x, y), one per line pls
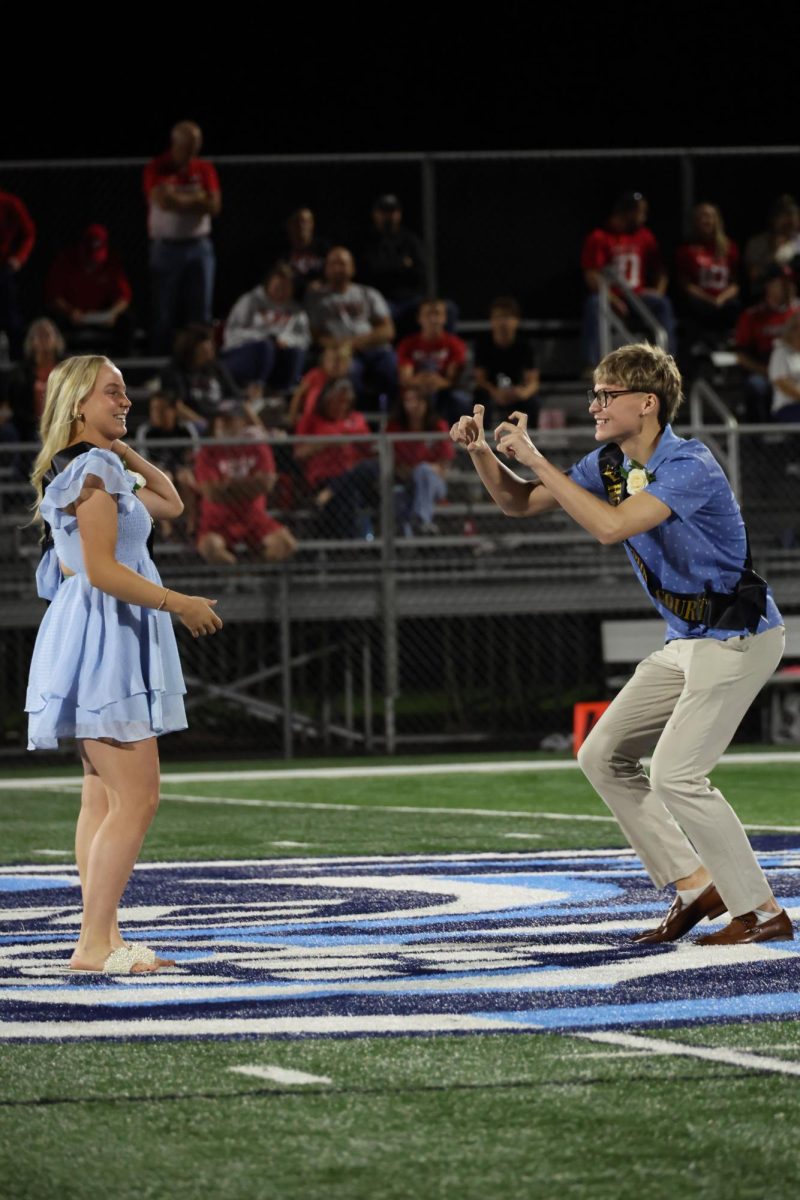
(267, 334)
(303, 250)
(506, 374)
(164, 424)
(344, 313)
(784, 372)
(756, 331)
(343, 474)
(335, 364)
(626, 250)
(420, 466)
(779, 243)
(392, 260)
(199, 381)
(88, 294)
(23, 388)
(233, 482)
(433, 360)
(707, 268)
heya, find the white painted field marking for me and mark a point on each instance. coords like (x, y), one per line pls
(751, 758)
(526, 836)
(280, 1075)
(296, 845)
(733, 1058)
(531, 814)
(502, 813)
(54, 853)
(58, 1031)
(188, 798)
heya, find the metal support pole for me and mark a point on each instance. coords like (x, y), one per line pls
(285, 629)
(388, 591)
(687, 190)
(366, 673)
(428, 173)
(735, 463)
(604, 319)
(348, 692)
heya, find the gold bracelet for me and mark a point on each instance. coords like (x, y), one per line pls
(163, 600)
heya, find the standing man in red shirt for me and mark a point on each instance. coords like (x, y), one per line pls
(17, 239)
(629, 249)
(183, 194)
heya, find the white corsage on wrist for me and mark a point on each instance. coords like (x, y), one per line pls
(637, 478)
(139, 480)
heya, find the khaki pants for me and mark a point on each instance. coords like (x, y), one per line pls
(684, 703)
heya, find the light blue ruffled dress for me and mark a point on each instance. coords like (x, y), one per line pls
(101, 668)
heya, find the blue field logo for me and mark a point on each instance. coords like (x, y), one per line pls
(426, 944)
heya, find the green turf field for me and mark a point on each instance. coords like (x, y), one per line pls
(474, 1115)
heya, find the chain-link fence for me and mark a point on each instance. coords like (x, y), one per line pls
(375, 599)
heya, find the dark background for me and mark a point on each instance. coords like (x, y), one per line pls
(376, 80)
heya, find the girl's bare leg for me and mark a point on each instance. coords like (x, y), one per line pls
(129, 772)
(94, 810)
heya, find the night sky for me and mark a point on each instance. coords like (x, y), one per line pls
(396, 78)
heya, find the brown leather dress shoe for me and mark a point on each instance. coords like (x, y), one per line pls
(746, 928)
(683, 917)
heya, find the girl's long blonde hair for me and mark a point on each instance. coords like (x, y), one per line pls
(68, 385)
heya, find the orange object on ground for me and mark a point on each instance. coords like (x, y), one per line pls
(584, 718)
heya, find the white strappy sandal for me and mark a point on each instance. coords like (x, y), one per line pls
(119, 962)
(147, 956)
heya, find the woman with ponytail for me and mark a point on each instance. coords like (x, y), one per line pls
(105, 667)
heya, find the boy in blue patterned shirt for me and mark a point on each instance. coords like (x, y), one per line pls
(668, 501)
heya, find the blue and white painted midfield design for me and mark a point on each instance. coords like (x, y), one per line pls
(395, 945)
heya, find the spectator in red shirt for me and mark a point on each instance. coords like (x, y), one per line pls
(87, 290)
(341, 472)
(334, 364)
(234, 482)
(17, 239)
(707, 276)
(756, 331)
(433, 360)
(183, 194)
(420, 466)
(627, 251)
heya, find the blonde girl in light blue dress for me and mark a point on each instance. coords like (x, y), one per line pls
(105, 667)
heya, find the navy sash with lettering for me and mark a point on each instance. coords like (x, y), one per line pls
(742, 608)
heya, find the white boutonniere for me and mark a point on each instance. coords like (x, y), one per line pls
(636, 478)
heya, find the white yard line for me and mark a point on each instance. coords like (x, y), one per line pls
(280, 1075)
(189, 798)
(377, 771)
(58, 1031)
(662, 1046)
(501, 813)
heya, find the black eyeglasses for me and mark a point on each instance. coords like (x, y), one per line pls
(604, 398)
